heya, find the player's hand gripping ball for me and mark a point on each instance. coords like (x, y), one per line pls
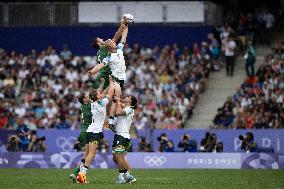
(81, 178)
(129, 18)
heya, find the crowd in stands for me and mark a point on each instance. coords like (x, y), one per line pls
(259, 101)
(42, 87)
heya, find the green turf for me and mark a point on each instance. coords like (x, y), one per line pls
(172, 179)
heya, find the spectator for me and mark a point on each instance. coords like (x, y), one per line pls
(166, 145)
(62, 124)
(230, 47)
(187, 145)
(250, 60)
(3, 116)
(66, 54)
(143, 146)
(23, 133)
(269, 20)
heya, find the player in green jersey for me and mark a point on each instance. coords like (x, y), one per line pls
(102, 53)
(86, 120)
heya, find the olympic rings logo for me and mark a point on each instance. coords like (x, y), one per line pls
(155, 161)
(66, 144)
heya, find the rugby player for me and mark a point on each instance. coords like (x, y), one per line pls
(121, 141)
(86, 119)
(94, 132)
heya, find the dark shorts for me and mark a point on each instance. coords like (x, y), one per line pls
(95, 137)
(120, 144)
(83, 138)
(120, 82)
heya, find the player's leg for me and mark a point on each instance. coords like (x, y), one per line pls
(85, 147)
(84, 142)
(118, 158)
(93, 140)
(112, 109)
(126, 163)
(127, 171)
(114, 159)
(121, 169)
(127, 175)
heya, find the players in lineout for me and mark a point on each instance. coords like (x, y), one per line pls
(121, 141)
(112, 64)
(101, 83)
(99, 101)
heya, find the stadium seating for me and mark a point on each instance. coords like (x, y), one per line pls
(258, 103)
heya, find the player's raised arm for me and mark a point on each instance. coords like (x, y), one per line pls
(95, 69)
(98, 67)
(124, 35)
(118, 34)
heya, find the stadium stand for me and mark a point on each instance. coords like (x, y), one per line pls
(258, 103)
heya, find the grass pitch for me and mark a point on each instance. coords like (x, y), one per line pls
(172, 179)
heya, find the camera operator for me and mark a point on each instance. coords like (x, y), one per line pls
(77, 146)
(33, 138)
(187, 145)
(143, 146)
(248, 143)
(36, 144)
(13, 144)
(40, 145)
(210, 143)
(166, 145)
(210, 146)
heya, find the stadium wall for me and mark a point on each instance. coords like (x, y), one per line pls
(24, 39)
(68, 160)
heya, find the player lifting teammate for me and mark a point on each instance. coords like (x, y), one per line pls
(121, 141)
(103, 81)
(99, 102)
(86, 117)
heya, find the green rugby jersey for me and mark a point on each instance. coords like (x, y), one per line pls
(101, 54)
(86, 116)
